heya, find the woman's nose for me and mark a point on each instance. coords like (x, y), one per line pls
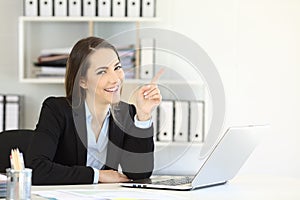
(114, 77)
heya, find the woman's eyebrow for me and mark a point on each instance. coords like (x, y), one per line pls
(117, 63)
(98, 68)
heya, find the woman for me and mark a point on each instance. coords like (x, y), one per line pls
(87, 135)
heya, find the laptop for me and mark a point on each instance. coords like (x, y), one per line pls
(221, 165)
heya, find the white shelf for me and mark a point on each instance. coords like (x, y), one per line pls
(43, 80)
(127, 81)
(176, 144)
(88, 19)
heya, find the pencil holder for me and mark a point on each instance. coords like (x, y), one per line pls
(18, 184)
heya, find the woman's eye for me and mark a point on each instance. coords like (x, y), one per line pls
(118, 67)
(101, 72)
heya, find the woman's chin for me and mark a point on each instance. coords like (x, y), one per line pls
(114, 100)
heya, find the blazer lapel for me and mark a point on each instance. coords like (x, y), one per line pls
(80, 129)
(115, 143)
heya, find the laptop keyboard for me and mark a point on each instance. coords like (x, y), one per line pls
(174, 181)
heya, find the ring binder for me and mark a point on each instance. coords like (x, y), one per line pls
(75, 8)
(31, 8)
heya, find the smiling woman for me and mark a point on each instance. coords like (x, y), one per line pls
(104, 77)
(82, 138)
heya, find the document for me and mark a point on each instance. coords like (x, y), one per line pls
(101, 194)
(60, 8)
(75, 8)
(147, 58)
(148, 8)
(196, 121)
(119, 8)
(89, 8)
(31, 8)
(181, 122)
(104, 8)
(133, 8)
(165, 121)
(46, 8)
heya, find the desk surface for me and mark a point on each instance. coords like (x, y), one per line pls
(241, 187)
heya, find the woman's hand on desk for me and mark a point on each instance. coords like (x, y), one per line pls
(111, 176)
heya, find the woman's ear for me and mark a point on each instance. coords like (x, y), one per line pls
(83, 83)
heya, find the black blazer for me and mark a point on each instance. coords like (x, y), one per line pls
(58, 152)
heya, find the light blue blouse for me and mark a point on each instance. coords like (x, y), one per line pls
(97, 149)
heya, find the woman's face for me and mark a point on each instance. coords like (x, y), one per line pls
(104, 77)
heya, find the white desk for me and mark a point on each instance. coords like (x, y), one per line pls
(242, 187)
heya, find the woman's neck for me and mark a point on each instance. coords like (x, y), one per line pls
(98, 112)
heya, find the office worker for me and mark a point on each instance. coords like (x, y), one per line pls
(86, 136)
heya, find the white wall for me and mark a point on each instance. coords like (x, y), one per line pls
(255, 46)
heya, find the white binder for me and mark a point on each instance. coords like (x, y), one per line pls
(60, 8)
(196, 121)
(118, 8)
(1, 112)
(31, 8)
(147, 58)
(148, 8)
(181, 122)
(75, 8)
(154, 121)
(104, 8)
(165, 121)
(133, 8)
(46, 8)
(12, 112)
(89, 8)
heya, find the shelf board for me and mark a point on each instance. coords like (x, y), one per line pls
(127, 81)
(43, 80)
(160, 82)
(89, 19)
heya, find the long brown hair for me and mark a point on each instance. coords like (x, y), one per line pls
(78, 64)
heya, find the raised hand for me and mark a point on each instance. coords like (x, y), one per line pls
(148, 97)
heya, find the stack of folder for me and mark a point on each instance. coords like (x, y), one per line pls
(3, 180)
(180, 121)
(51, 63)
(127, 58)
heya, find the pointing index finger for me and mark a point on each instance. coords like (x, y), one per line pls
(157, 76)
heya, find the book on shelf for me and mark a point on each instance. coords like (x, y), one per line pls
(127, 58)
(51, 65)
(54, 63)
(48, 71)
(52, 57)
(56, 51)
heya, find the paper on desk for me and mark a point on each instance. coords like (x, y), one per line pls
(102, 195)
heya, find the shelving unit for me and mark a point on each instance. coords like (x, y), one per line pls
(51, 32)
(37, 33)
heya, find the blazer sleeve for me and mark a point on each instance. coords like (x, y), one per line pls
(45, 147)
(137, 159)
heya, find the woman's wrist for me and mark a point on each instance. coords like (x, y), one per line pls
(143, 116)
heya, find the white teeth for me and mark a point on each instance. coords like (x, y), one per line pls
(114, 89)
